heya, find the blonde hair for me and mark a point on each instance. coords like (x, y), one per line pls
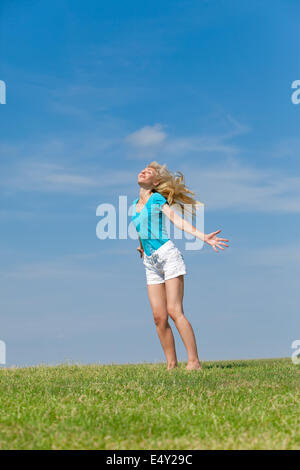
(173, 188)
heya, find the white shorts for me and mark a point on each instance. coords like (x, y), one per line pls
(165, 263)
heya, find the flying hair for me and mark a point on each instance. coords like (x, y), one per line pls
(173, 188)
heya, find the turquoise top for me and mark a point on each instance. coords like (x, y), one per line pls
(150, 223)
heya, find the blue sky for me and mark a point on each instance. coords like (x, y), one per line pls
(96, 90)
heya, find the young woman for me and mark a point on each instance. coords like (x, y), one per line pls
(163, 261)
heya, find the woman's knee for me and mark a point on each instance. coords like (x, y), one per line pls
(160, 318)
(175, 311)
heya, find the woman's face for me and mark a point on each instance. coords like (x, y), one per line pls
(148, 177)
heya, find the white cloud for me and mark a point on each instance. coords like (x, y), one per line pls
(44, 177)
(234, 186)
(183, 145)
(284, 255)
(147, 136)
(222, 181)
(65, 267)
(286, 148)
(151, 140)
(230, 185)
(68, 179)
(72, 266)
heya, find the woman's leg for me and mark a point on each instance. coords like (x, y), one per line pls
(174, 293)
(158, 302)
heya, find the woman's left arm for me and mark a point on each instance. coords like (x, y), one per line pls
(179, 222)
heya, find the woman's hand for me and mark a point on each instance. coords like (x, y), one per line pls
(214, 241)
(141, 251)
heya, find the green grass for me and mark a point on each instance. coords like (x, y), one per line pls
(250, 404)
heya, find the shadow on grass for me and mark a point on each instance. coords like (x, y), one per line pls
(226, 366)
(241, 363)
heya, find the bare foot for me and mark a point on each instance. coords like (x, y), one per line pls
(194, 365)
(172, 366)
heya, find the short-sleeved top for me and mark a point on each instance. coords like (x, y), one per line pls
(150, 223)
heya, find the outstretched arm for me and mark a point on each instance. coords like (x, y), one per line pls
(179, 222)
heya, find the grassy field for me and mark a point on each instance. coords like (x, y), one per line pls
(250, 404)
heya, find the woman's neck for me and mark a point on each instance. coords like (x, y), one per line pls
(145, 194)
